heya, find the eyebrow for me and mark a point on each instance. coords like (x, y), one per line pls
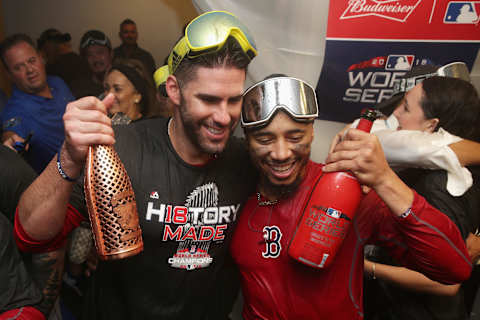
(264, 133)
(213, 97)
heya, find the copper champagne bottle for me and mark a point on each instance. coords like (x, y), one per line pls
(111, 205)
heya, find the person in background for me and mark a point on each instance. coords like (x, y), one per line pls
(277, 117)
(160, 77)
(62, 61)
(96, 49)
(129, 48)
(29, 283)
(435, 104)
(35, 109)
(130, 91)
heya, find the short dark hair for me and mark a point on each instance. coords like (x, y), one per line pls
(455, 103)
(12, 41)
(230, 55)
(127, 21)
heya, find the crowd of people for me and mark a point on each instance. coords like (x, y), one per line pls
(218, 212)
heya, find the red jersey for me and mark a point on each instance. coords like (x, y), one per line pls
(276, 286)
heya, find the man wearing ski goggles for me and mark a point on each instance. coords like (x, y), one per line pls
(264, 99)
(277, 115)
(208, 33)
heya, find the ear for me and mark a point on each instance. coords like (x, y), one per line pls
(137, 97)
(173, 89)
(430, 125)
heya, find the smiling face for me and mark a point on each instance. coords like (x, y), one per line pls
(26, 68)
(126, 97)
(410, 114)
(208, 107)
(99, 58)
(281, 152)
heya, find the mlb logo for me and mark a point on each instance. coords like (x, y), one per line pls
(399, 62)
(462, 12)
(333, 213)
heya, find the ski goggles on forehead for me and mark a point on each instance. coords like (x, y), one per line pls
(208, 33)
(457, 70)
(92, 41)
(264, 99)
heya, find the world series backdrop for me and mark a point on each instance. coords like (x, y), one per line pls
(370, 43)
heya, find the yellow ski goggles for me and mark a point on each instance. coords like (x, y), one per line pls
(208, 33)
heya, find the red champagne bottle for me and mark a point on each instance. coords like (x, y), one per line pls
(328, 213)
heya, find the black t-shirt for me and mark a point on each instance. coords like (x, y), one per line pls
(15, 177)
(184, 271)
(17, 288)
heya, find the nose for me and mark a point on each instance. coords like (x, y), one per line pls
(281, 150)
(29, 68)
(222, 115)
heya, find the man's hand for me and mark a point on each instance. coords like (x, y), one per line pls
(362, 154)
(339, 137)
(473, 247)
(9, 138)
(86, 123)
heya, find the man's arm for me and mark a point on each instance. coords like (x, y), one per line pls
(467, 151)
(42, 207)
(427, 235)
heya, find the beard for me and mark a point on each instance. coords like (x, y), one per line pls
(193, 128)
(285, 190)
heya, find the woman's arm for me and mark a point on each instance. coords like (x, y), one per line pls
(408, 279)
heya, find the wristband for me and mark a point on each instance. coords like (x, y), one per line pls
(60, 170)
(406, 213)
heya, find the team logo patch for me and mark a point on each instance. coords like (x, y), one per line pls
(397, 10)
(272, 236)
(462, 12)
(154, 195)
(399, 62)
(190, 259)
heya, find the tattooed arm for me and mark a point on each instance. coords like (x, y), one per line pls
(47, 270)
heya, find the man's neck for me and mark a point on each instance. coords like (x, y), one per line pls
(183, 146)
(129, 48)
(45, 92)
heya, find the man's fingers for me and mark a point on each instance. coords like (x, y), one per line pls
(108, 100)
(355, 134)
(91, 103)
(341, 155)
(90, 139)
(342, 165)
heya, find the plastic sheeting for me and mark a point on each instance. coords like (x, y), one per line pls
(290, 35)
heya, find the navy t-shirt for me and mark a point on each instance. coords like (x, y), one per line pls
(27, 114)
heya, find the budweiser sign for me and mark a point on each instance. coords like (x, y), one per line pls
(397, 10)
